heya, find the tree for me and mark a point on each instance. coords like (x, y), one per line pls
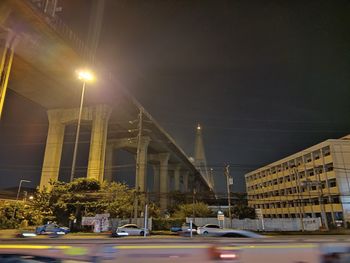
(12, 214)
(243, 211)
(197, 209)
(117, 199)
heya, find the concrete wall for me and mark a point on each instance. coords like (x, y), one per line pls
(270, 224)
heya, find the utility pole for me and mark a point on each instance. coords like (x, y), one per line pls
(318, 184)
(227, 174)
(138, 152)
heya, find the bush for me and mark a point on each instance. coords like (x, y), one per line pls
(166, 224)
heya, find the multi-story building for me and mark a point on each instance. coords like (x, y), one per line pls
(314, 182)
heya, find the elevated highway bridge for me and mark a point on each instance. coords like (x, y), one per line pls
(39, 55)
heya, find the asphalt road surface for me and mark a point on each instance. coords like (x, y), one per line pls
(281, 249)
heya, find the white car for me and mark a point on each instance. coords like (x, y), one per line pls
(208, 229)
(129, 230)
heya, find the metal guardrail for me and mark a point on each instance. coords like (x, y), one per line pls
(61, 28)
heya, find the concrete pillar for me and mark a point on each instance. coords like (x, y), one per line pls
(109, 163)
(177, 177)
(185, 181)
(141, 167)
(53, 149)
(156, 180)
(163, 161)
(100, 119)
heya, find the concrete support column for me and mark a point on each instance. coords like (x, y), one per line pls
(185, 181)
(141, 167)
(109, 163)
(163, 161)
(53, 149)
(156, 180)
(100, 119)
(177, 177)
(8, 40)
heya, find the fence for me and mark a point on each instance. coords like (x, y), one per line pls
(268, 224)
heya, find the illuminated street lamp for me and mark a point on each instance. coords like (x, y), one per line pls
(85, 76)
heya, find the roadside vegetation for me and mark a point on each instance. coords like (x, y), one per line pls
(67, 203)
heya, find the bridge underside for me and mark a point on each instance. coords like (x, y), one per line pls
(42, 70)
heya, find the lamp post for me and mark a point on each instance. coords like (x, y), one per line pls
(84, 76)
(18, 192)
(19, 187)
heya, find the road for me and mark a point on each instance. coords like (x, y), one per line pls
(281, 249)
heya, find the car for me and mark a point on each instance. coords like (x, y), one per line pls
(208, 229)
(240, 233)
(129, 230)
(185, 227)
(51, 228)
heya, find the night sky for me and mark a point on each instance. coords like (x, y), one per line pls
(264, 78)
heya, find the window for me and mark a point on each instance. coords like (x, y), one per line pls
(316, 155)
(329, 167)
(310, 172)
(326, 151)
(212, 226)
(307, 158)
(332, 183)
(319, 169)
(299, 161)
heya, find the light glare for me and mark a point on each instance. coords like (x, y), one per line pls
(85, 75)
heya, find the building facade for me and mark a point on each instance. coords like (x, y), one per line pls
(314, 182)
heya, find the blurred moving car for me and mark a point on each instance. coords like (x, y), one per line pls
(215, 230)
(240, 233)
(129, 230)
(51, 229)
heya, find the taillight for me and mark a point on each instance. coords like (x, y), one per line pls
(217, 254)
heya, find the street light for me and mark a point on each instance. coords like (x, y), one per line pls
(19, 190)
(19, 187)
(84, 76)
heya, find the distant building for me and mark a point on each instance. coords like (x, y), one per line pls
(314, 182)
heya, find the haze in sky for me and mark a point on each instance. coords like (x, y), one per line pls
(264, 78)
